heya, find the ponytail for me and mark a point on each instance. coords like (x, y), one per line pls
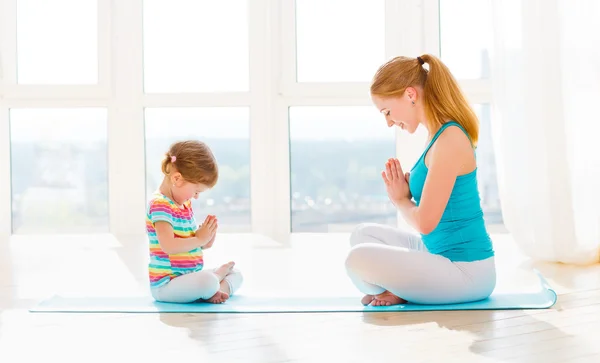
(166, 164)
(442, 97)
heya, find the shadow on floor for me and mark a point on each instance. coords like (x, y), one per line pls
(500, 335)
(229, 337)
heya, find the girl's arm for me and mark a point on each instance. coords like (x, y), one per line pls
(449, 157)
(172, 245)
(162, 219)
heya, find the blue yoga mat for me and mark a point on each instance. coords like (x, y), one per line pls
(542, 299)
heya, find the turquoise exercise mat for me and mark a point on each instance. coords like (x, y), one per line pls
(542, 299)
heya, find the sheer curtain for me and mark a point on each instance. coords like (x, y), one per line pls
(545, 64)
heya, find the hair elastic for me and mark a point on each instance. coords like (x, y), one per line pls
(421, 61)
(173, 158)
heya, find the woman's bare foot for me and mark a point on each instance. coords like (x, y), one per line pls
(366, 300)
(222, 295)
(224, 270)
(386, 299)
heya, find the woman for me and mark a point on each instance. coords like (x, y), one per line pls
(451, 259)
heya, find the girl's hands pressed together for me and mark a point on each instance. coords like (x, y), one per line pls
(207, 231)
(396, 182)
(212, 240)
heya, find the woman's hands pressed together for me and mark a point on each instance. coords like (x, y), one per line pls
(396, 182)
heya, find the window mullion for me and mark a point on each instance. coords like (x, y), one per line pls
(268, 132)
(285, 21)
(8, 44)
(7, 76)
(104, 44)
(126, 161)
(5, 175)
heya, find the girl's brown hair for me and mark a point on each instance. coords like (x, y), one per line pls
(194, 160)
(442, 97)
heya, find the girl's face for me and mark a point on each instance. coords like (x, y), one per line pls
(184, 190)
(400, 111)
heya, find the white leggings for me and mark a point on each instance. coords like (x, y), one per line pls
(386, 258)
(190, 287)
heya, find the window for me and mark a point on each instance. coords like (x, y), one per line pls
(183, 71)
(337, 155)
(465, 37)
(486, 165)
(57, 42)
(196, 46)
(226, 130)
(339, 41)
(59, 170)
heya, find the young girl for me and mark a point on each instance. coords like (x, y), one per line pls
(176, 267)
(451, 260)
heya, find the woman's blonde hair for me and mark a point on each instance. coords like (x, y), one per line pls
(442, 97)
(194, 160)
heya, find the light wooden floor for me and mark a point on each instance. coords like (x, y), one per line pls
(33, 267)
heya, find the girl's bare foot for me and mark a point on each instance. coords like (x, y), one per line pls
(222, 295)
(386, 299)
(366, 300)
(224, 270)
(218, 298)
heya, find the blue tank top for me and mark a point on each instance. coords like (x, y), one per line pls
(461, 234)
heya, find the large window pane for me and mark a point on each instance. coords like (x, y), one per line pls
(339, 40)
(337, 155)
(486, 165)
(57, 41)
(59, 170)
(227, 131)
(195, 46)
(465, 37)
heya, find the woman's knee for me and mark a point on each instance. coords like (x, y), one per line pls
(360, 232)
(357, 258)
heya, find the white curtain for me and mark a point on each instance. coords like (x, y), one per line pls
(545, 65)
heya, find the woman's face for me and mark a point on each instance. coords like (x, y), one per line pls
(400, 111)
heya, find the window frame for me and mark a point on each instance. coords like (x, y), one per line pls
(412, 27)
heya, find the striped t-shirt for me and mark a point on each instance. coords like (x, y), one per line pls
(163, 267)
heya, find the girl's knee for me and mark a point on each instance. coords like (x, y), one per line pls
(237, 276)
(235, 280)
(209, 285)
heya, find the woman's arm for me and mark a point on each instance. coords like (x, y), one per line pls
(449, 157)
